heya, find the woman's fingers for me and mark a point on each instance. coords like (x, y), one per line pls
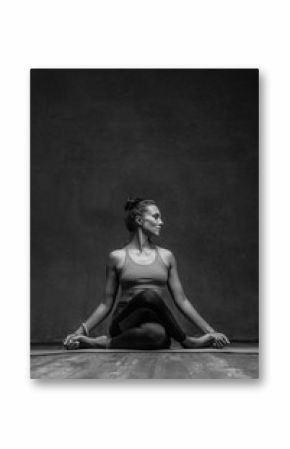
(223, 338)
(226, 341)
(66, 341)
(71, 342)
(71, 338)
(73, 345)
(220, 342)
(68, 338)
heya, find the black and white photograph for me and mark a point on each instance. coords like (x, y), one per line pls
(144, 223)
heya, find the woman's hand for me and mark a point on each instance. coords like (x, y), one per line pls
(70, 342)
(219, 340)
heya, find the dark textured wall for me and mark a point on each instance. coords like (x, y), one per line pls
(187, 138)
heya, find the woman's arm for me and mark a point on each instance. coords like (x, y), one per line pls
(179, 298)
(105, 307)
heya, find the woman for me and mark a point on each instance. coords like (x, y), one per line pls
(142, 319)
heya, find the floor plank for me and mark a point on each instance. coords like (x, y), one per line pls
(144, 365)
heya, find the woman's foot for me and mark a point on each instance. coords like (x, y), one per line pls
(206, 340)
(215, 339)
(81, 341)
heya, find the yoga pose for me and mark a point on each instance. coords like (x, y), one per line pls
(142, 270)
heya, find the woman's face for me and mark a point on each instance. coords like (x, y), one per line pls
(151, 220)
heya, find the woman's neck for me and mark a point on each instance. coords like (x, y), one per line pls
(140, 241)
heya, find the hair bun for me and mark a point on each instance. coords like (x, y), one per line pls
(131, 203)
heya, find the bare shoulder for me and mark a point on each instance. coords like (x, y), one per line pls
(116, 258)
(166, 255)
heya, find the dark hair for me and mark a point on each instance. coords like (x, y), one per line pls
(135, 207)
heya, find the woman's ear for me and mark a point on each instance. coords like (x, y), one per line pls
(139, 220)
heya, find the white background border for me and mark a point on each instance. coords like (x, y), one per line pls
(206, 414)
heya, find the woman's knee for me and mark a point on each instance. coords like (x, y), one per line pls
(156, 334)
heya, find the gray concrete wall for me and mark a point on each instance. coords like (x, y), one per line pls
(186, 138)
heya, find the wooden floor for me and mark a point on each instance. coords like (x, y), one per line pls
(230, 363)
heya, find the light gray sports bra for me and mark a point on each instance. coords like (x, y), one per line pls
(134, 277)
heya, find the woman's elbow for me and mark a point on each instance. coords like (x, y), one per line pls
(180, 300)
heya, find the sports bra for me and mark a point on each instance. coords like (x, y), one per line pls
(134, 277)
